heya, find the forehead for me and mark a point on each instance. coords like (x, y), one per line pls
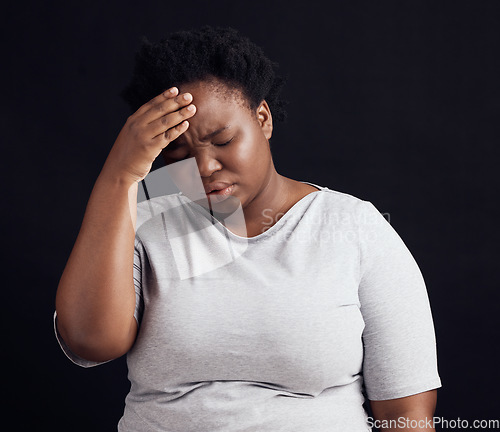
(217, 106)
(213, 98)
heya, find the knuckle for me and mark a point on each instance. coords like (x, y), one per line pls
(168, 135)
(131, 124)
(134, 126)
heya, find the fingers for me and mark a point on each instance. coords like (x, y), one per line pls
(163, 124)
(165, 138)
(166, 106)
(166, 95)
(161, 105)
(165, 111)
(162, 117)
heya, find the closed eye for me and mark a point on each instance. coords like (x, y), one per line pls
(174, 146)
(223, 144)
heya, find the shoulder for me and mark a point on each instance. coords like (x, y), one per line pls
(334, 200)
(341, 209)
(341, 197)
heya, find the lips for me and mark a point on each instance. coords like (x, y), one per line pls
(216, 186)
(217, 196)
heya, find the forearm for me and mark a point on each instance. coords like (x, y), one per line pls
(412, 413)
(95, 298)
(406, 422)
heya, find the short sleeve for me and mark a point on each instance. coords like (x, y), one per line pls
(139, 307)
(400, 356)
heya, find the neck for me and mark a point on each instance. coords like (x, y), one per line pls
(269, 205)
(264, 210)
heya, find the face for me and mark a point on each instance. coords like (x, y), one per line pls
(224, 143)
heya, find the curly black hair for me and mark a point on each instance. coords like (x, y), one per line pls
(193, 55)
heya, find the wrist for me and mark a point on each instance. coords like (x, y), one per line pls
(118, 180)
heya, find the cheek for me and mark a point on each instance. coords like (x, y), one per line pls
(250, 155)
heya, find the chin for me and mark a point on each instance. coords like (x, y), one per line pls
(227, 206)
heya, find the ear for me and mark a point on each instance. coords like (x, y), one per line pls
(265, 119)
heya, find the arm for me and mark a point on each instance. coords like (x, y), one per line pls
(411, 413)
(95, 300)
(400, 357)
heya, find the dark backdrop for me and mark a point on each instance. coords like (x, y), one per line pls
(393, 102)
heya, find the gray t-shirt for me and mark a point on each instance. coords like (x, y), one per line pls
(286, 331)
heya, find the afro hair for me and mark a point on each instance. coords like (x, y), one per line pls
(203, 54)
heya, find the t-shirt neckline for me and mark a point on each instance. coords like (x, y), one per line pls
(269, 232)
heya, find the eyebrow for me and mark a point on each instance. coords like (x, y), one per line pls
(214, 133)
(179, 141)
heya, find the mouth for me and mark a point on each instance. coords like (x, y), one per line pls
(222, 192)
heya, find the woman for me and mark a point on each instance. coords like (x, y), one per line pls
(288, 321)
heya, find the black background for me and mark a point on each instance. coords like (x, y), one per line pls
(393, 102)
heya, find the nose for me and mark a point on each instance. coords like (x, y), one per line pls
(207, 163)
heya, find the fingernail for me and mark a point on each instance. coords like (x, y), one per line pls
(170, 92)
